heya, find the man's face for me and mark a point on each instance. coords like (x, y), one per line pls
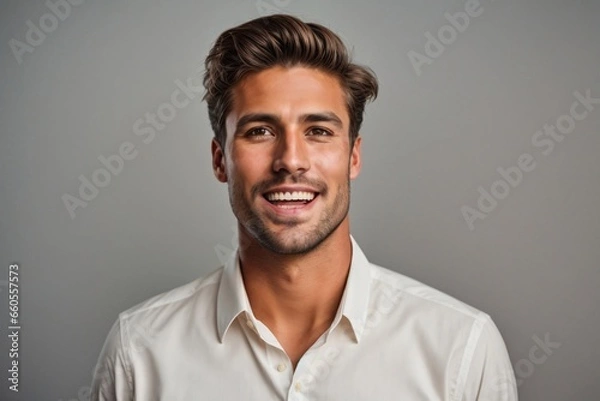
(287, 158)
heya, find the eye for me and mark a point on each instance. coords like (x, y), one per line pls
(258, 131)
(316, 131)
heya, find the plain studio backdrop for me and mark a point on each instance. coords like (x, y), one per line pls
(481, 174)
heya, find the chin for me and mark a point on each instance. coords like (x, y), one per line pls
(290, 241)
(296, 248)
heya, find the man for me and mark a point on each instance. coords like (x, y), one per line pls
(297, 313)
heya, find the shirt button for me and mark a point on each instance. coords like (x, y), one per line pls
(298, 386)
(281, 367)
(249, 324)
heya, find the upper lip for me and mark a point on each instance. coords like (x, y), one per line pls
(287, 188)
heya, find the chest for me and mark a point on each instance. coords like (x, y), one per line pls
(244, 367)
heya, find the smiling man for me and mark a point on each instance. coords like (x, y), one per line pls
(298, 312)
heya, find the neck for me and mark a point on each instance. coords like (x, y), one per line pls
(299, 293)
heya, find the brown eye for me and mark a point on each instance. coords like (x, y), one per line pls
(319, 132)
(258, 131)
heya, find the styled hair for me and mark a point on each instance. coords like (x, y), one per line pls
(281, 40)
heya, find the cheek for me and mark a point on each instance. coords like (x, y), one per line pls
(334, 165)
(248, 168)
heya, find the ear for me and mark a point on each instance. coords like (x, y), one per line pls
(355, 159)
(218, 161)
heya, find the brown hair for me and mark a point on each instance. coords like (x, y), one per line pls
(282, 40)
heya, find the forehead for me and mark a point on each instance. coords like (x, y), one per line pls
(288, 92)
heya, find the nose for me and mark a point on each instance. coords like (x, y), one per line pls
(291, 153)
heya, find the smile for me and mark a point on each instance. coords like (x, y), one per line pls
(290, 196)
(290, 200)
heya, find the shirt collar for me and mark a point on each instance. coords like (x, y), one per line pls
(232, 298)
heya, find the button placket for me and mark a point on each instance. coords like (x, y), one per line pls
(279, 368)
(301, 378)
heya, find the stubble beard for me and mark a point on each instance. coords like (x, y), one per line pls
(290, 242)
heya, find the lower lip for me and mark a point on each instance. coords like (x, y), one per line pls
(291, 210)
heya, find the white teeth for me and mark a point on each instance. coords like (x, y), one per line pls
(291, 196)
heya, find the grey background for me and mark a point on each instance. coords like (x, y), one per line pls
(430, 141)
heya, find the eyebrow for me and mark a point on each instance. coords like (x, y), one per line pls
(326, 116)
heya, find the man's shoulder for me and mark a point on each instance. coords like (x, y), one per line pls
(422, 298)
(443, 330)
(200, 290)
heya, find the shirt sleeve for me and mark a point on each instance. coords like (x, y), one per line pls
(490, 376)
(112, 380)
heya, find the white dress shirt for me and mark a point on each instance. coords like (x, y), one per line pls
(392, 338)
